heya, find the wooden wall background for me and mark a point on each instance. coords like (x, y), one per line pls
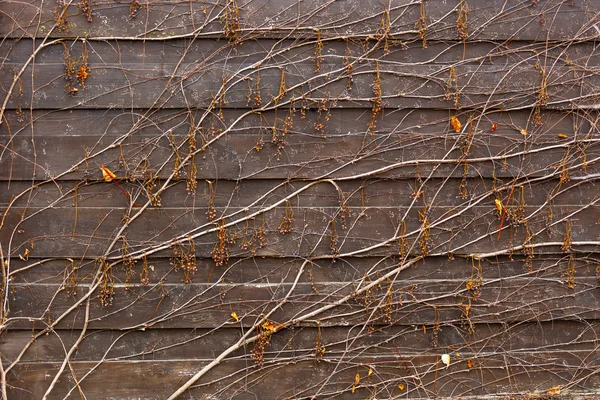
(311, 199)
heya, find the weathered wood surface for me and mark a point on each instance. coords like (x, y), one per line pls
(407, 143)
(112, 380)
(410, 340)
(81, 232)
(370, 193)
(413, 237)
(403, 86)
(487, 20)
(172, 305)
(260, 270)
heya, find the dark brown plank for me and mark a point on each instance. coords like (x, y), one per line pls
(56, 232)
(303, 378)
(349, 269)
(303, 155)
(342, 150)
(348, 342)
(495, 20)
(271, 52)
(403, 86)
(174, 305)
(370, 193)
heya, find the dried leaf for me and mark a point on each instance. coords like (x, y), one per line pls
(357, 378)
(235, 316)
(268, 326)
(470, 363)
(498, 205)
(554, 390)
(562, 136)
(494, 127)
(401, 386)
(524, 131)
(107, 174)
(456, 125)
(370, 372)
(446, 359)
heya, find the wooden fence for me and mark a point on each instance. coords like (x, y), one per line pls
(299, 199)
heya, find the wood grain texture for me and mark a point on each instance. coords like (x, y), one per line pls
(488, 20)
(303, 199)
(56, 231)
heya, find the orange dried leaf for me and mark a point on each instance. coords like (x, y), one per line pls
(456, 125)
(370, 372)
(401, 386)
(107, 174)
(494, 127)
(268, 326)
(235, 316)
(470, 363)
(524, 131)
(554, 390)
(357, 378)
(562, 136)
(498, 205)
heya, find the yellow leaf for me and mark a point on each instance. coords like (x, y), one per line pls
(234, 316)
(554, 390)
(457, 355)
(401, 386)
(268, 326)
(524, 131)
(446, 359)
(107, 174)
(470, 363)
(562, 136)
(370, 372)
(456, 125)
(498, 205)
(357, 378)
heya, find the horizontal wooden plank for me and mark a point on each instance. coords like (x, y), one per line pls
(340, 342)
(303, 377)
(156, 123)
(88, 232)
(485, 20)
(121, 85)
(350, 269)
(402, 149)
(371, 193)
(271, 52)
(416, 302)
(302, 157)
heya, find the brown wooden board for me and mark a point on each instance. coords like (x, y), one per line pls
(272, 52)
(260, 270)
(348, 342)
(89, 232)
(343, 149)
(301, 156)
(128, 85)
(304, 378)
(174, 305)
(370, 193)
(487, 20)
